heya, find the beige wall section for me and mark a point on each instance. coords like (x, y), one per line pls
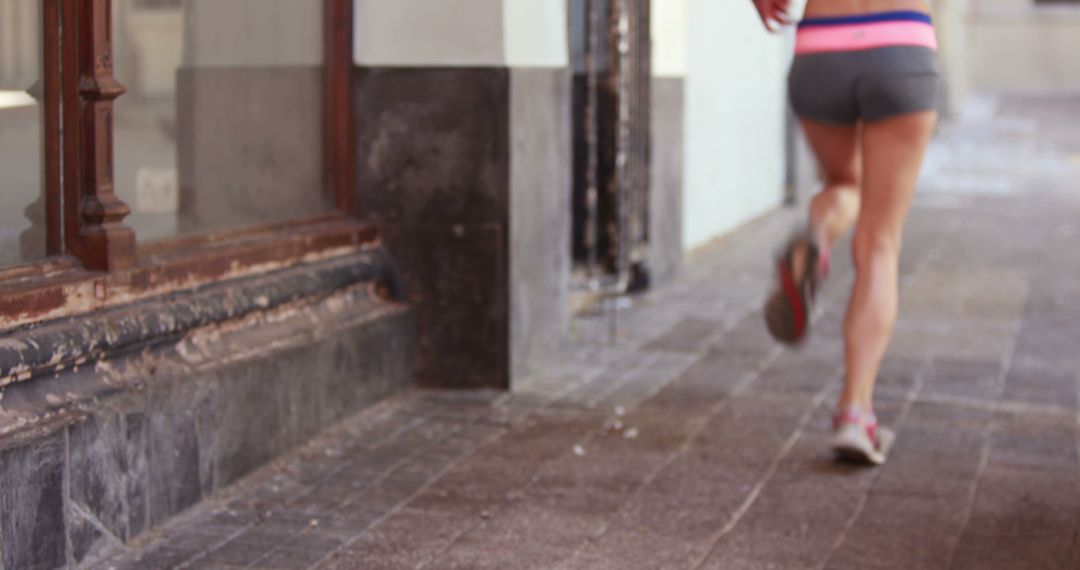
(460, 33)
(251, 33)
(148, 46)
(669, 37)
(20, 47)
(1007, 46)
(1016, 46)
(735, 119)
(429, 33)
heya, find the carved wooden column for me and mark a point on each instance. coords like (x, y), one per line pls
(339, 150)
(103, 242)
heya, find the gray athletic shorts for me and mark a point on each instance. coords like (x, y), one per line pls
(873, 84)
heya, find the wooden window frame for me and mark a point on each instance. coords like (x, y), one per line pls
(94, 259)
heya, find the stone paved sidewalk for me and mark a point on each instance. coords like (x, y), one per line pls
(695, 442)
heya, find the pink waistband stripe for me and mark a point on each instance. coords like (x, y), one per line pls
(854, 37)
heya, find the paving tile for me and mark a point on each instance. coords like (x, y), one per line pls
(963, 378)
(688, 335)
(1034, 551)
(404, 540)
(635, 547)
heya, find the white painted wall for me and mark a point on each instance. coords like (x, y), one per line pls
(735, 109)
(458, 33)
(669, 37)
(423, 32)
(535, 33)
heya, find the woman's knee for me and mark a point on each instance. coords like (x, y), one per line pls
(844, 179)
(873, 244)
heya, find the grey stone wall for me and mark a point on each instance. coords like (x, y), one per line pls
(540, 178)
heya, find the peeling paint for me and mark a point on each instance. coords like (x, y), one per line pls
(13, 344)
(77, 342)
(94, 294)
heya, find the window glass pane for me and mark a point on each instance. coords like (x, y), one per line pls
(22, 201)
(222, 123)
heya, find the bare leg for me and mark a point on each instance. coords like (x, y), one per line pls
(834, 209)
(892, 154)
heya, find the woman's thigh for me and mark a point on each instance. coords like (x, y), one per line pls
(892, 151)
(836, 147)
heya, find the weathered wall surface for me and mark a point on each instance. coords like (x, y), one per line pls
(462, 143)
(433, 173)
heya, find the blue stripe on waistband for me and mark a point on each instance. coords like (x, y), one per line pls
(901, 16)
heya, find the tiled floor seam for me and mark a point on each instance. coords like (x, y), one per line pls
(652, 358)
(403, 504)
(539, 472)
(569, 389)
(914, 394)
(701, 422)
(374, 484)
(236, 491)
(312, 488)
(788, 445)
(984, 458)
(785, 449)
(766, 476)
(465, 529)
(901, 421)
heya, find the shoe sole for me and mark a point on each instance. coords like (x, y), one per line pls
(787, 312)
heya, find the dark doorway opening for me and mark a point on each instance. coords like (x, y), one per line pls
(611, 53)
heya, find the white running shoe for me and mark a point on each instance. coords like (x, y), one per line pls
(857, 438)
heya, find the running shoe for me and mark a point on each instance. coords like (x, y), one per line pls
(789, 308)
(857, 438)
